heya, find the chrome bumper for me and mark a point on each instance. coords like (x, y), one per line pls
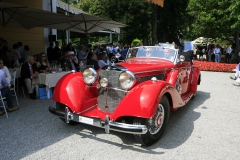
(107, 124)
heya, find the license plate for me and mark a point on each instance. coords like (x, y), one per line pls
(85, 120)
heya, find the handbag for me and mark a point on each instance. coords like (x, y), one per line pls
(43, 93)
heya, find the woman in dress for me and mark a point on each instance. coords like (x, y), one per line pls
(42, 64)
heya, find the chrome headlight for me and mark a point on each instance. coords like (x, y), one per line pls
(127, 80)
(104, 82)
(89, 76)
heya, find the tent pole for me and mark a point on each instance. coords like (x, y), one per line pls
(111, 37)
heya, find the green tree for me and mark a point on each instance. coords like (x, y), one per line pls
(234, 9)
(135, 13)
(171, 20)
(146, 21)
(209, 18)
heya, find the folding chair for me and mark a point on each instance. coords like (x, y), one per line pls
(13, 81)
(3, 104)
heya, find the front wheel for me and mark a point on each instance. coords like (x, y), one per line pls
(155, 125)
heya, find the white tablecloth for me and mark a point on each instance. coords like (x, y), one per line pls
(48, 79)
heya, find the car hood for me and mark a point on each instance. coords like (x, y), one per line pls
(141, 65)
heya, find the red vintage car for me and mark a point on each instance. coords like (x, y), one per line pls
(134, 96)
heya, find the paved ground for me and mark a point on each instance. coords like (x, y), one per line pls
(207, 128)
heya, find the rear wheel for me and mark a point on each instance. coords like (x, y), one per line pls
(61, 106)
(155, 125)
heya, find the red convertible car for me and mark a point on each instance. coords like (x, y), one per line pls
(134, 96)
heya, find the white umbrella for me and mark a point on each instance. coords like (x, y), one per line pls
(12, 15)
(85, 23)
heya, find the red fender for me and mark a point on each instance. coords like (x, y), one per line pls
(72, 91)
(195, 78)
(143, 99)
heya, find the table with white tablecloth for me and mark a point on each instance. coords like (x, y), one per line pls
(48, 79)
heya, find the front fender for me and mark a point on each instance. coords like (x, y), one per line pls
(72, 91)
(143, 99)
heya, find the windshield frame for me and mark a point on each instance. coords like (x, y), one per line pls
(134, 52)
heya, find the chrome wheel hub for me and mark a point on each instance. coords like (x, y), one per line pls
(155, 123)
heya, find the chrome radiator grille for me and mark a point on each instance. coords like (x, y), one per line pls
(109, 98)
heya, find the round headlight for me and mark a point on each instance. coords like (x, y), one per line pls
(104, 82)
(89, 76)
(127, 80)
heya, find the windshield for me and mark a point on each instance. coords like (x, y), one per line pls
(152, 52)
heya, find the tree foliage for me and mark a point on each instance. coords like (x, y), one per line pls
(187, 19)
(209, 18)
(135, 13)
(234, 9)
(145, 20)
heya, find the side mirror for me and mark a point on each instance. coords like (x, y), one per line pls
(182, 58)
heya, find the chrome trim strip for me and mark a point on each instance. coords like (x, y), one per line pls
(154, 71)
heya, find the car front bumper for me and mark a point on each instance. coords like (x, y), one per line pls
(107, 123)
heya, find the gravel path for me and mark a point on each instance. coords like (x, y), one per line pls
(206, 128)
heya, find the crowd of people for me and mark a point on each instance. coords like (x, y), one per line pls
(213, 53)
(66, 58)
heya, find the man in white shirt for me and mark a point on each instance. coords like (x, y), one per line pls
(6, 71)
(5, 92)
(228, 54)
(217, 53)
(110, 50)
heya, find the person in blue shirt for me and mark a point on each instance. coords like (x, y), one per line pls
(124, 53)
(103, 61)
